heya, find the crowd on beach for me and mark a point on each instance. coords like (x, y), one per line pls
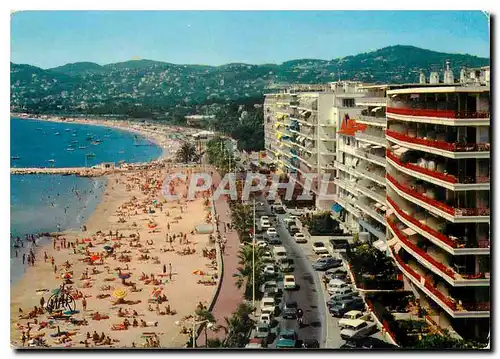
(125, 278)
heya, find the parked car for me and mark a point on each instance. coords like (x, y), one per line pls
(357, 328)
(341, 298)
(322, 264)
(264, 219)
(340, 275)
(271, 232)
(287, 265)
(369, 343)
(333, 284)
(262, 244)
(275, 240)
(261, 331)
(269, 269)
(266, 318)
(290, 310)
(267, 305)
(278, 209)
(287, 339)
(340, 309)
(339, 245)
(299, 237)
(270, 285)
(267, 257)
(289, 220)
(265, 224)
(310, 344)
(289, 282)
(353, 314)
(338, 289)
(319, 248)
(339, 268)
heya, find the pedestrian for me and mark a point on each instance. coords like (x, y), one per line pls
(84, 303)
(24, 257)
(170, 271)
(223, 248)
(42, 301)
(23, 339)
(164, 269)
(16, 253)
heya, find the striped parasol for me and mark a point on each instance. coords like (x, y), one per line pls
(120, 293)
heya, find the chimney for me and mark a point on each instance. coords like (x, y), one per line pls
(422, 79)
(448, 74)
(434, 78)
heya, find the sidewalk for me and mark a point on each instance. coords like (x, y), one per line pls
(229, 296)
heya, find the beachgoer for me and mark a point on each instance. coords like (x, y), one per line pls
(164, 269)
(84, 303)
(24, 257)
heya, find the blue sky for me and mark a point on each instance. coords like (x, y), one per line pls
(53, 38)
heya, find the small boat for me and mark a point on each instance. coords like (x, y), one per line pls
(95, 142)
(67, 129)
(90, 154)
(52, 161)
(74, 141)
(74, 135)
(82, 147)
(56, 134)
(121, 151)
(89, 138)
(107, 136)
(39, 129)
(15, 158)
(70, 149)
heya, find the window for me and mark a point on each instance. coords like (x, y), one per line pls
(348, 102)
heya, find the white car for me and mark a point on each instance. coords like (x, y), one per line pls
(319, 248)
(351, 315)
(269, 269)
(265, 224)
(271, 232)
(267, 305)
(289, 282)
(264, 219)
(262, 244)
(299, 237)
(338, 289)
(265, 318)
(357, 329)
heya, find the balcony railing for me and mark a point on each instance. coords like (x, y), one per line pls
(437, 113)
(372, 138)
(380, 197)
(446, 177)
(448, 301)
(370, 156)
(446, 240)
(403, 238)
(371, 175)
(442, 145)
(437, 204)
(372, 229)
(372, 120)
(371, 211)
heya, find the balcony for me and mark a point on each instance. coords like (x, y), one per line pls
(455, 215)
(376, 211)
(349, 186)
(371, 137)
(445, 180)
(372, 229)
(441, 148)
(345, 204)
(372, 173)
(439, 117)
(371, 190)
(373, 121)
(371, 101)
(434, 235)
(479, 310)
(358, 152)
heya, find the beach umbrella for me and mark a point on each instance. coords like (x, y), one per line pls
(120, 293)
(94, 258)
(68, 275)
(198, 272)
(156, 292)
(124, 275)
(86, 240)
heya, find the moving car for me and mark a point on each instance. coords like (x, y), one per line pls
(293, 229)
(264, 219)
(265, 224)
(289, 282)
(271, 232)
(353, 314)
(326, 263)
(287, 339)
(319, 248)
(299, 237)
(290, 310)
(274, 240)
(266, 318)
(279, 253)
(267, 257)
(357, 328)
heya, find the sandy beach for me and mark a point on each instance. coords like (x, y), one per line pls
(136, 273)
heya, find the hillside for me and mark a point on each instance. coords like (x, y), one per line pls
(155, 88)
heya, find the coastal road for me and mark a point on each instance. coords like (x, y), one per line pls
(309, 297)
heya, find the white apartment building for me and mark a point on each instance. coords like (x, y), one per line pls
(438, 196)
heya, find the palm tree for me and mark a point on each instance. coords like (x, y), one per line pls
(186, 153)
(244, 274)
(205, 314)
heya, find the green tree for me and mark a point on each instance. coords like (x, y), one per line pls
(245, 270)
(205, 314)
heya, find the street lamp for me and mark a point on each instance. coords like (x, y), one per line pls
(195, 323)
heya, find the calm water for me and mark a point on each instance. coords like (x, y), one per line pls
(45, 203)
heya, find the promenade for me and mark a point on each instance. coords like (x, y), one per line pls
(229, 296)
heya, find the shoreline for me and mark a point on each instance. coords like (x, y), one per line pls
(104, 216)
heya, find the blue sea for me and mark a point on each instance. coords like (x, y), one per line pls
(46, 203)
